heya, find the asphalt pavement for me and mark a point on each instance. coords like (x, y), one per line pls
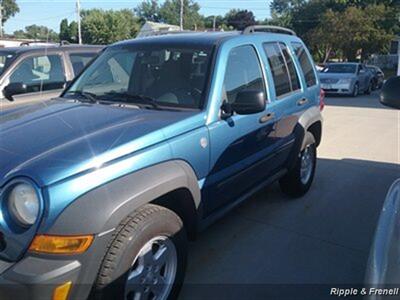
(274, 247)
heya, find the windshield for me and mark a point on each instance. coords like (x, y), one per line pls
(341, 68)
(161, 75)
(5, 60)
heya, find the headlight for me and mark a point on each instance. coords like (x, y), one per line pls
(23, 204)
(345, 81)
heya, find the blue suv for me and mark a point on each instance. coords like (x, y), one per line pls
(101, 189)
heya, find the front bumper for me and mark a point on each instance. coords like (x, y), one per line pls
(35, 277)
(341, 89)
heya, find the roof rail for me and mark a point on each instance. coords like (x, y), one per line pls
(268, 28)
(64, 43)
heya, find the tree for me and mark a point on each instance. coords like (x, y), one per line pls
(108, 26)
(240, 19)
(69, 32)
(10, 8)
(36, 32)
(170, 13)
(148, 10)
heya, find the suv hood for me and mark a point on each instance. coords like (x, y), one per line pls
(52, 141)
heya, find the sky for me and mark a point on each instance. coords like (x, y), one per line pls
(50, 13)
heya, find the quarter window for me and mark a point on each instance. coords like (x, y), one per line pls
(279, 69)
(243, 72)
(306, 64)
(40, 73)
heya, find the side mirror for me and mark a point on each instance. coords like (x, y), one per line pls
(13, 89)
(390, 95)
(249, 102)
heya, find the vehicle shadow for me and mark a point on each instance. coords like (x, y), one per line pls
(298, 248)
(363, 101)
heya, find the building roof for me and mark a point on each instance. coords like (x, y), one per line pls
(25, 49)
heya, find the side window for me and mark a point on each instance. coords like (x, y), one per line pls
(243, 72)
(40, 73)
(306, 64)
(80, 60)
(294, 78)
(278, 67)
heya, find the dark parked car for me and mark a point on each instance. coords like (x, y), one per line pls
(157, 138)
(33, 73)
(378, 77)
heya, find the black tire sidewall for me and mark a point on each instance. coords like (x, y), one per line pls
(164, 223)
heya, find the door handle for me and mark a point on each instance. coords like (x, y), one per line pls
(267, 117)
(302, 101)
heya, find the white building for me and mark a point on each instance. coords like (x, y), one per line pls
(11, 42)
(153, 28)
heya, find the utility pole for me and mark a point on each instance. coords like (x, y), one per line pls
(1, 19)
(181, 15)
(214, 23)
(78, 14)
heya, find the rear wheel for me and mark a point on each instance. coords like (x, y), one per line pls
(298, 181)
(146, 259)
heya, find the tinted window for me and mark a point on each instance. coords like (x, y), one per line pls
(40, 73)
(80, 60)
(5, 60)
(170, 76)
(306, 64)
(294, 78)
(278, 69)
(243, 72)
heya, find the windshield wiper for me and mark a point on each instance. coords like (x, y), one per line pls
(136, 99)
(90, 97)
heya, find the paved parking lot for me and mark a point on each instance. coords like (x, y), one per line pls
(271, 241)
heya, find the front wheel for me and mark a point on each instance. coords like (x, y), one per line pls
(369, 89)
(146, 258)
(298, 181)
(356, 90)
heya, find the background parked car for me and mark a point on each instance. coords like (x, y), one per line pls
(38, 73)
(378, 77)
(346, 79)
(383, 265)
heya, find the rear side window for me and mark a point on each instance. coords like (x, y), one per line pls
(278, 67)
(306, 64)
(80, 60)
(294, 78)
(243, 72)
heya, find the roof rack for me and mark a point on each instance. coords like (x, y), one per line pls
(268, 28)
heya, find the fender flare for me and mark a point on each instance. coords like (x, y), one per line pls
(103, 208)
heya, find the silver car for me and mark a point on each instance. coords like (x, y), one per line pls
(346, 79)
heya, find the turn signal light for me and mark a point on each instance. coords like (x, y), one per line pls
(61, 244)
(61, 292)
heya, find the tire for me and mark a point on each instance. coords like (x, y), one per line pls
(131, 249)
(356, 90)
(293, 184)
(369, 89)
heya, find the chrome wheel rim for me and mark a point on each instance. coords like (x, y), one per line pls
(307, 164)
(153, 271)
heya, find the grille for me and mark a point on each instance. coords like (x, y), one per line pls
(329, 80)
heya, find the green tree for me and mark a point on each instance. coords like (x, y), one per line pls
(148, 10)
(240, 19)
(37, 32)
(10, 8)
(108, 26)
(170, 13)
(69, 32)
